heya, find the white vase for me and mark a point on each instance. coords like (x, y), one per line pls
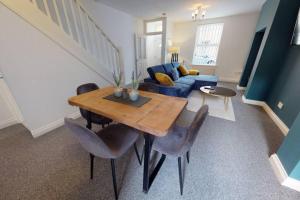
(134, 95)
(118, 92)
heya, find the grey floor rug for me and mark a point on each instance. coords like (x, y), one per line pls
(229, 161)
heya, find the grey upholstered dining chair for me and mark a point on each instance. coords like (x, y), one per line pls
(95, 118)
(179, 141)
(109, 143)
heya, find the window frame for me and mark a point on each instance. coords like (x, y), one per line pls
(154, 20)
(218, 45)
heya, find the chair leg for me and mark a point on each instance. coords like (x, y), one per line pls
(89, 126)
(188, 156)
(180, 175)
(113, 171)
(91, 166)
(137, 154)
(102, 126)
(89, 121)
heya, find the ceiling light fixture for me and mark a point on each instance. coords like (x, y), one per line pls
(199, 11)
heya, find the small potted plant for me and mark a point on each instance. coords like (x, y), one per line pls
(134, 93)
(118, 80)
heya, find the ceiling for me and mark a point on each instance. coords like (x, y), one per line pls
(181, 10)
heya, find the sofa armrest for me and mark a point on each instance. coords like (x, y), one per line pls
(149, 80)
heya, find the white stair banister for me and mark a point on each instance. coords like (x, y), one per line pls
(68, 23)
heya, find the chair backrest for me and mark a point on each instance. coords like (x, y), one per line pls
(193, 130)
(84, 89)
(88, 139)
(148, 87)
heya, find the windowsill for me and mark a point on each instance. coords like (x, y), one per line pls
(212, 66)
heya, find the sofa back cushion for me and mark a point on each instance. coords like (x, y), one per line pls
(176, 65)
(164, 79)
(175, 74)
(155, 69)
(168, 68)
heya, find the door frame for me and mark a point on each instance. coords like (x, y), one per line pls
(163, 33)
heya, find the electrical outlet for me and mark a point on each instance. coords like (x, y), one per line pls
(280, 105)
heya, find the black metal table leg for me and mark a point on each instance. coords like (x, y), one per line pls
(156, 169)
(149, 178)
(146, 162)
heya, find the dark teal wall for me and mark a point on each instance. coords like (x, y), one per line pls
(289, 151)
(287, 88)
(267, 14)
(274, 51)
(265, 21)
(256, 44)
(276, 77)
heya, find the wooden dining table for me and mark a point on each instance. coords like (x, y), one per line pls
(153, 119)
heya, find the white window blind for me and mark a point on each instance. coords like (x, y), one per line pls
(207, 43)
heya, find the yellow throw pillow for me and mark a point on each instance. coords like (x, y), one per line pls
(164, 79)
(194, 72)
(183, 70)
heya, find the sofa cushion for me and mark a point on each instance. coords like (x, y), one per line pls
(164, 79)
(203, 80)
(187, 81)
(176, 65)
(168, 68)
(184, 89)
(211, 78)
(175, 74)
(183, 70)
(194, 72)
(155, 69)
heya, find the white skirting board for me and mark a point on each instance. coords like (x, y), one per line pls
(281, 125)
(53, 125)
(228, 80)
(238, 87)
(281, 174)
(8, 123)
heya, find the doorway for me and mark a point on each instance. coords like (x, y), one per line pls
(258, 38)
(155, 33)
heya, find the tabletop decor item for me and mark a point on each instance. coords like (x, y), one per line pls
(125, 93)
(134, 93)
(117, 76)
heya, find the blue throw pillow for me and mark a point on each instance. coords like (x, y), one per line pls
(174, 74)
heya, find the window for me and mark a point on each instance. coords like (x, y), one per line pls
(154, 26)
(207, 43)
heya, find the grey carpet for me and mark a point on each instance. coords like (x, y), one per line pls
(229, 160)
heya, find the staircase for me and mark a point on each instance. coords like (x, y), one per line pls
(67, 23)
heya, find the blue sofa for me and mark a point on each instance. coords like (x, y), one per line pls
(183, 85)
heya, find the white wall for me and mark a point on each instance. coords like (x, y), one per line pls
(7, 117)
(236, 41)
(9, 110)
(120, 27)
(41, 75)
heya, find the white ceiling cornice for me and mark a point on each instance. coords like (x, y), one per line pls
(181, 10)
